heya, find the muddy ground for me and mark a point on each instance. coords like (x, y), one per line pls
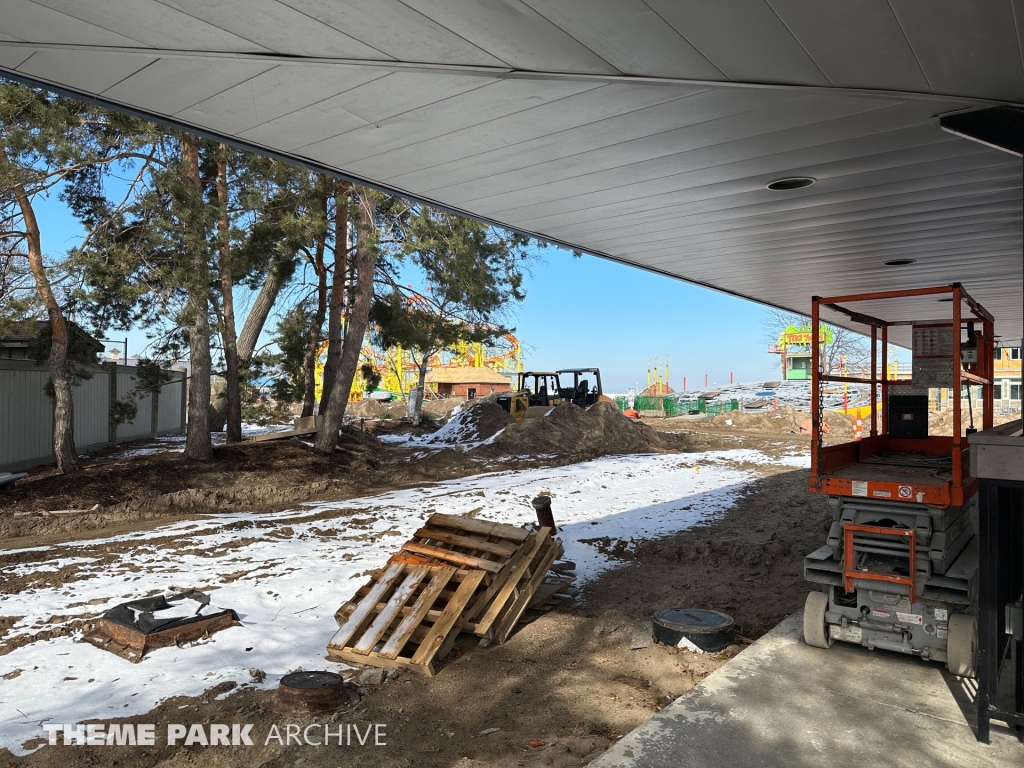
(132, 486)
(566, 685)
(561, 691)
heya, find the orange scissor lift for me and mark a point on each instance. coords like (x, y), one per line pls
(899, 570)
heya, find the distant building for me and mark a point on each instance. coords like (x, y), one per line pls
(795, 349)
(1007, 377)
(469, 382)
(1006, 395)
(17, 345)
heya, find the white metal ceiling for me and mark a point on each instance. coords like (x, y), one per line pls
(642, 130)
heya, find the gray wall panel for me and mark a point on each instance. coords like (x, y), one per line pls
(26, 412)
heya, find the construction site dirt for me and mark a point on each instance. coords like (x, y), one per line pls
(567, 683)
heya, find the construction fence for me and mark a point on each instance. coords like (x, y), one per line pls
(668, 407)
(26, 411)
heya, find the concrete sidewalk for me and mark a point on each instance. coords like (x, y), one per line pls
(783, 703)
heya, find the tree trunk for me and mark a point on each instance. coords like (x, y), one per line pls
(64, 407)
(417, 406)
(251, 330)
(229, 340)
(334, 316)
(364, 262)
(313, 345)
(197, 439)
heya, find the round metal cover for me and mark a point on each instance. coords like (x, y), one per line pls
(311, 680)
(310, 693)
(708, 630)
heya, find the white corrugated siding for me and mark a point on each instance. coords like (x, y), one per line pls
(92, 411)
(26, 412)
(140, 426)
(170, 405)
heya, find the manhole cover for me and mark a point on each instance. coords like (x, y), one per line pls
(308, 693)
(708, 630)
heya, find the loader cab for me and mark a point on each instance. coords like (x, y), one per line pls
(580, 386)
(535, 389)
(541, 387)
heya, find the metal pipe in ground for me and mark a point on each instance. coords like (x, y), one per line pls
(542, 506)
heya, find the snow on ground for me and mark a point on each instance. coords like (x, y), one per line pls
(176, 443)
(287, 573)
(460, 431)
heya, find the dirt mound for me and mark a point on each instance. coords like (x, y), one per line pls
(396, 409)
(597, 431)
(941, 422)
(470, 423)
(783, 421)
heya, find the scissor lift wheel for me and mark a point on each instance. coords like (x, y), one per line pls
(815, 629)
(962, 645)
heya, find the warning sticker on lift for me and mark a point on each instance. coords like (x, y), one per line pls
(941, 614)
(860, 488)
(882, 494)
(849, 634)
(878, 613)
(906, 492)
(910, 618)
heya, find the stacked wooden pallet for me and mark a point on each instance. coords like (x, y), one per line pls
(456, 574)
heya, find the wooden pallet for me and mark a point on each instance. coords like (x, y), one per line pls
(551, 592)
(509, 554)
(455, 574)
(407, 616)
(464, 542)
(514, 595)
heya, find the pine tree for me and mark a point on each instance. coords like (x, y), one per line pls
(364, 265)
(47, 141)
(472, 274)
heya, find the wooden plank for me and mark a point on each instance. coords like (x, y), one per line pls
(551, 585)
(451, 556)
(380, 661)
(368, 603)
(439, 578)
(398, 600)
(281, 435)
(512, 582)
(484, 527)
(511, 618)
(439, 632)
(494, 547)
(483, 599)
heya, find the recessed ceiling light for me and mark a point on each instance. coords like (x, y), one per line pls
(785, 185)
(899, 262)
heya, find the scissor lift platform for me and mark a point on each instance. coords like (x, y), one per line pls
(899, 570)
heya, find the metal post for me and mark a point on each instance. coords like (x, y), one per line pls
(874, 377)
(545, 518)
(815, 394)
(957, 392)
(885, 380)
(988, 664)
(184, 402)
(112, 404)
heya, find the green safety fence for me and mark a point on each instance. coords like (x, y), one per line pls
(717, 409)
(648, 403)
(676, 407)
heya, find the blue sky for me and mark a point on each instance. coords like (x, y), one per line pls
(591, 312)
(585, 312)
